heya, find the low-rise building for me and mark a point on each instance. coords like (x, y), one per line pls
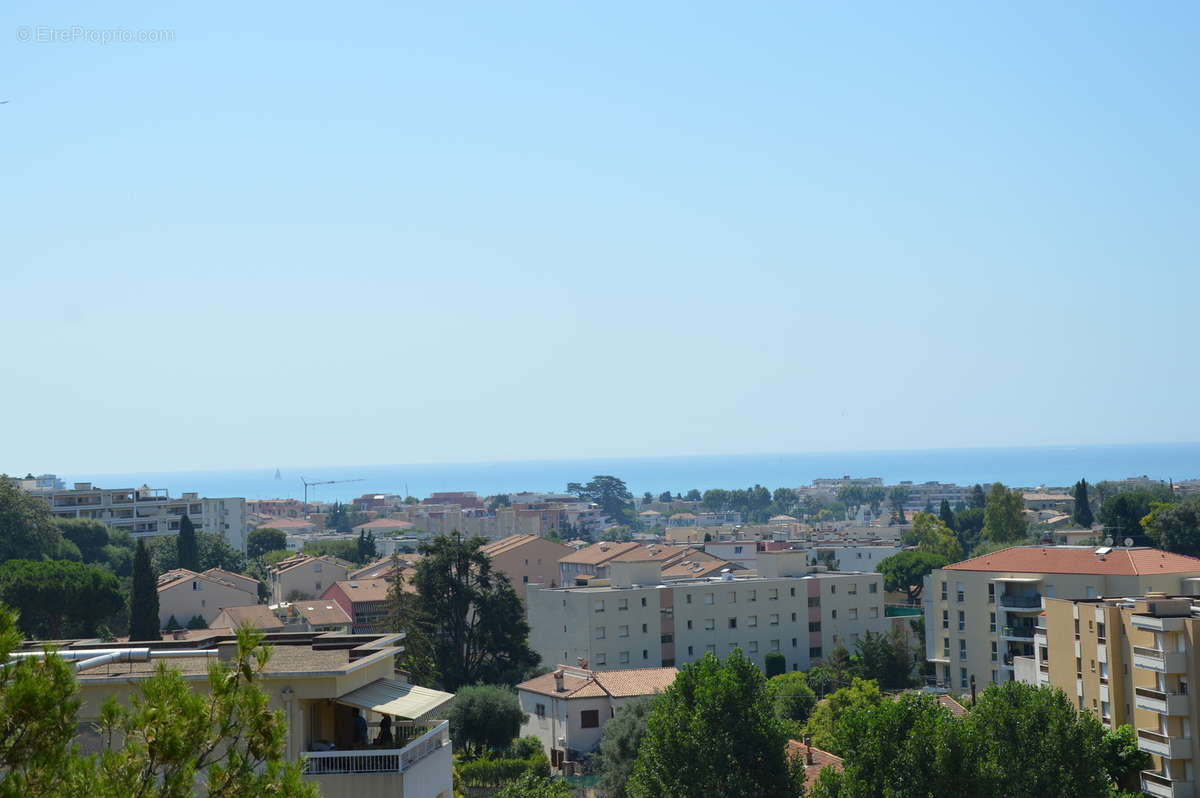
(1041, 500)
(364, 600)
(313, 615)
(254, 616)
(852, 556)
(568, 708)
(184, 594)
(636, 619)
(304, 576)
(527, 560)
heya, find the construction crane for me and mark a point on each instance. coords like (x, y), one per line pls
(308, 485)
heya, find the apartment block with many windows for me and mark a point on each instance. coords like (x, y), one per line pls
(636, 619)
(982, 613)
(1130, 660)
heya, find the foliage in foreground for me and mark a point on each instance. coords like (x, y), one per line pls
(620, 742)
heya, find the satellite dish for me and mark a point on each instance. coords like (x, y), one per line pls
(1128, 542)
(1108, 541)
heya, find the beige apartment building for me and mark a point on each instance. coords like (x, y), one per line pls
(318, 681)
(981, 613)
(636, 619)
(1130, 660)
(527, 560)
(184, 594)
(305, 576)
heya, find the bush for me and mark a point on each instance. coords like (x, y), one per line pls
(483, 717)
(486, 772)
(776, 664)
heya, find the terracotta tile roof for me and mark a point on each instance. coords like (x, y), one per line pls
(599, 553)
(583, 683)
(321, 612)
(694, 568)
(256, 616)
(1081, 560)
(956, 709)
(303, 559)
(821, 760)
(365, 589)
(508, 544)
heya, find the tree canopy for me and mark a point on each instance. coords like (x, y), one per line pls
(484, 717)
(1004, 516)
(1082, 513)
(714, 732)
(187, 549)
(1175, 526)
(907, 570)
(59, 598)
(27, 529)
(620, 741)
(793, 700)
(609, 493)
(143, 599)
(934, 537)
(261, 541)
(1122, 514)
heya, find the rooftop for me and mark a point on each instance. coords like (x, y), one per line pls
(1080, 560)
(584, 683)
(256, 616)
(599, 553)
(365, 589)
(513, 542)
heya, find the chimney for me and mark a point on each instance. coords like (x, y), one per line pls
(558, 681)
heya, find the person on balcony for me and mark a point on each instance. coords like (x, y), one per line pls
(360, 727)
(384, 738)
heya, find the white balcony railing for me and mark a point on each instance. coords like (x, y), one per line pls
(378, 760)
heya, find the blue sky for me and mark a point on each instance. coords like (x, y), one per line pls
(388, 233)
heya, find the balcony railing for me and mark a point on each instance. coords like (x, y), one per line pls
(1152, 653)
(1021, 631)
(380, 760)
(1020, 601)
(1154, 783)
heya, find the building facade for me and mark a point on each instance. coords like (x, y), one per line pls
(527, 560)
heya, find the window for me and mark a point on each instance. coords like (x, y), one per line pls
(689, 598)
(733, 623)
(643, 601)
(993, 651)
(710, 649)
(962, 678)
(316, 567)
(814, 652)
(753, 595)
(962, 649)
(854, 613)
(540, 709)
(599, 632)
(773, 594)
(832, 589)
(623, 657)
(946, 647)
(943, 591)
(645, 654)
(793, 617)
(195, 585)
(773, 619)
(991, 621)
(752, 621)
(962, 621)
(814, 626)
(793, 646)
(873, 587)
(622, 604)
(874, 612)
(774, 645)
(710, 624)
(946, 619)
(709, 598)
(525, 580)
(644, 629)
(601, 659)
(589, 719)
(318, 585)
(622, 631)
(732, 646)
(960, 592)
(833, 613)
(991, 593)
(1100, 638)
(753, 646)
(814, 601)
(599, 605)
(689, 651)
(733, 597)
(852, 589)
(689, 624)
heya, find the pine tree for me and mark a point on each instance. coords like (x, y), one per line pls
(1083, 509)
(143, 601)
(978, 498)
(947, 515)
(185, 544)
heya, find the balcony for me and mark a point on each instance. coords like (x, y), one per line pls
(1159, 661)
(1163, 745)
(1019, 632)
(379, 760)
(1153, 623)
(1157, 784)
(1163, 703)
(1021, 601)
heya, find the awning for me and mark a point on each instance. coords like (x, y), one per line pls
(399, 699)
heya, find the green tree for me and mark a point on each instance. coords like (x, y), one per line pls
(57, 598)
(213, 552)
(1124, 761)
(898, 497)
(1122, 514)
(774, 664)
(609, 493)
(187, 550)
(1083, 507)
(875, 496)
(90, 537)
(484, 717)
(947, 515)
(339, 519)
(1175, 526)
(143, 601)
(907, 570)
(534, 785)
(405, 614)
(978, 498)
(693, 495)
(620, 742)
(793, 700)
(830, 726)
(665, 497)
(715, 499)
(265, 539)
(27, 529)
(477, 628)
(884, 658)
(1004, 516)
(934, 537)
(968, 528)
(714, 732)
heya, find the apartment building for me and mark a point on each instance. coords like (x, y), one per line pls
(317, 681)
(304, 576)
(924, 494)
(982, 613)
(852, 556)
(148, 512)
(527, 560)
(637, 619)
(365, 601)
(1130, 660)
(593, 562)
(568, 708)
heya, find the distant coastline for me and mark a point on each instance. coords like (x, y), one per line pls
(1017, 466)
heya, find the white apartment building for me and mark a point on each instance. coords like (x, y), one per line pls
(635, 619)
(853, 557)
(982, 613)
(921, 494)
(148, 512)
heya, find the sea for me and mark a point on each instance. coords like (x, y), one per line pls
(1015, 466)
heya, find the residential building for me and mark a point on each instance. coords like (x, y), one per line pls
(636, 619)
(527, 560)
(1131, 661)
(149, 512)
(43, 485)
(852, 556)
(317, 682)
(254, 616)
(365, 601)
(184, 594)
(931, 494)
(981, 613)
(1041, 500)
(568, 708)
(314, 615)
(593, 561)
(304, 576)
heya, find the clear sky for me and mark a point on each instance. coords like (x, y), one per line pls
(385, 233)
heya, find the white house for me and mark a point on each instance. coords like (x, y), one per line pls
(567, 709)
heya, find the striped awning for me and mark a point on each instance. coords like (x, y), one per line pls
(398, 699)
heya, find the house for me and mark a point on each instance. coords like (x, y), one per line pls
(255, 616)
(312, 615)
(305, 576)
(590, 560)
(317, 683)
(815, 760)
(365, 601)
(568, 708)
(184, 594)
(1049, 501)
(527, 560)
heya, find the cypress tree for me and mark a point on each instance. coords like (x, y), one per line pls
(947, 515)
(1083, 509)
(185, 543)
(143, 601)
(978, 498)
